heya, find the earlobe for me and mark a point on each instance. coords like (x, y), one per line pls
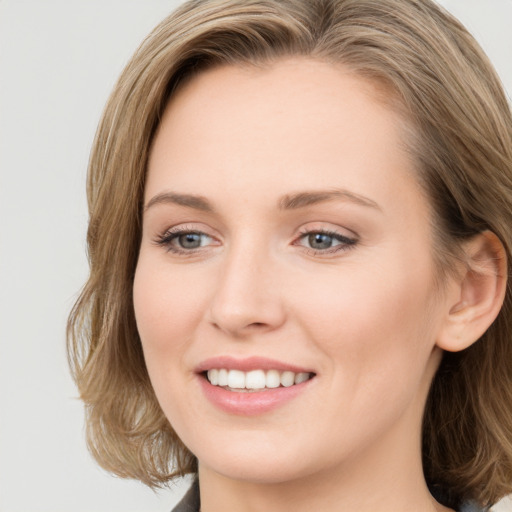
(476, 297)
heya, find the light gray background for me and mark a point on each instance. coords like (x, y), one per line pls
(58, 62)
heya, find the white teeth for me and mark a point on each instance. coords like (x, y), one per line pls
(255, 379)
(213, 376)
(236, 379)
(287, 379)
(223, 378)
(301, 377)
(273, 379)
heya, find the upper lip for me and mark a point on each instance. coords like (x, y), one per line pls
(248, 364)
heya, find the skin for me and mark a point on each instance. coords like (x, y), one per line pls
(366, 316)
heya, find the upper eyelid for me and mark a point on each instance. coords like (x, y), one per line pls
(174, 232)
(165, 240)
(331, 233)
(328, 228)
(188, 228)
(303, 230)
(340, 237)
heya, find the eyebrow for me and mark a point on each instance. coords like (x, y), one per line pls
(303, 199)
(188, 200)
(287, 202)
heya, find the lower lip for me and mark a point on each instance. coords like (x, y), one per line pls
(250, 403)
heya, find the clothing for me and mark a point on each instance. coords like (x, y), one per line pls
(191, 503)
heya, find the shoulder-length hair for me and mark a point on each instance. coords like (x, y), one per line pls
(442, 82)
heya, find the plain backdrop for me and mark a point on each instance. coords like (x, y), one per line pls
(58, 63)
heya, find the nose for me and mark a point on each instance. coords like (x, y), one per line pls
(247, 298)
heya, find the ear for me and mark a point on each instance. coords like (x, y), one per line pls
(475, 297)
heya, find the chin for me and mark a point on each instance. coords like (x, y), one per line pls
(258, 463)
(258, 472)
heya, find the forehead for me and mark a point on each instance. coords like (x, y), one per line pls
(296, 123)
(313, 91)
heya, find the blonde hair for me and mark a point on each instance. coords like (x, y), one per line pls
(463, 147)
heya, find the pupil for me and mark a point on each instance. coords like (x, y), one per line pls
(320, 241)
(190, 240)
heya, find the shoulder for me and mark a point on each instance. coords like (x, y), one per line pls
(448, 499)
(190, 502)
(471, 506)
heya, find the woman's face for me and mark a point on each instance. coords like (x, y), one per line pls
(285, 238)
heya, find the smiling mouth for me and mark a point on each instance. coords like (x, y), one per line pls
(254, 380)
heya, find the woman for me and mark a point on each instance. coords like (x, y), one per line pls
(299, 235)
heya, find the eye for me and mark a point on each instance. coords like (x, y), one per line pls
(325, 242)
(183, 240)
(321, 241)
(191, 240)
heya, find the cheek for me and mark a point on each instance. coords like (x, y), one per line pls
(377, 323)
(167, 307)
(377, 334)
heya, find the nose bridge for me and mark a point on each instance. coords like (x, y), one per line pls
(247, 295)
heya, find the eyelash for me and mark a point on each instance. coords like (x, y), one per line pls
(166, 239)
(346, 243)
